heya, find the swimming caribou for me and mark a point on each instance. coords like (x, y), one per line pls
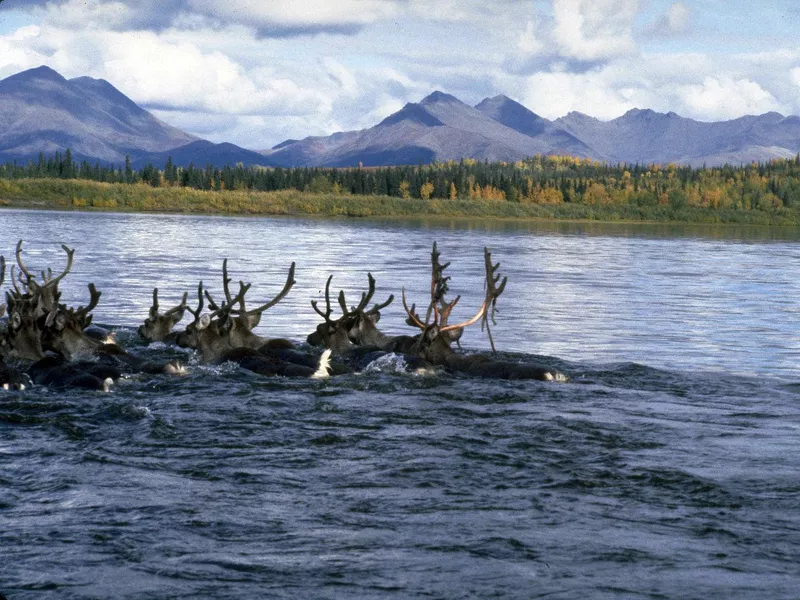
(62, 349)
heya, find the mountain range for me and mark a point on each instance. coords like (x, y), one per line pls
(41, 111)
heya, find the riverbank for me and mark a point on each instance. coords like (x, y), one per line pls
(71, 194)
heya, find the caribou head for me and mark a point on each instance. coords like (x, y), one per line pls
(64, 328)
(45, 294)
(158, 326)
(32, 307)
(433, 343)
(356, 326)
(230, 324)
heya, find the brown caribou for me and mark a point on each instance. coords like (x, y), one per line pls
(10, 377)
(32, 308)
(230, 323)
(40, 324)
(357, 325)
(157, 327)
(437, 334)
(355, 338)
(226, 334)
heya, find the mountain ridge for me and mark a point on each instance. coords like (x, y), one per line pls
(95, 121)
(42, 112)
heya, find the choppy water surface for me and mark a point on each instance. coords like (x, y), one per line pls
(666, 468)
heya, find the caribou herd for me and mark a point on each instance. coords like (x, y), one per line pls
(45, 342)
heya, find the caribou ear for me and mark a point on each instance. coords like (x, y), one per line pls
(60, 320)
(454, 335)
(178, 316)
(16, 320)
(205, 321)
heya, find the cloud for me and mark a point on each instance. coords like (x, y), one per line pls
(702, 93)
(594, 30)
(341, 77)
(579, 36)
(726, 98)
(554, 94)
(795, 74)
(529, 42)
(117, 15)
(276, 18)
(236, 71)
(674, 22)
(290, 18)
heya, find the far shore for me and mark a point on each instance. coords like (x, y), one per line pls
(82, 195)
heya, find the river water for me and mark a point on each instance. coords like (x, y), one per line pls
(667, 467)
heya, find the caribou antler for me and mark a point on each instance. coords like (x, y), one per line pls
(48, 281)
(196, 313)
(171, 311)
(413, 318)
(287, 286)
(14, 283)
(328, 310)
(493, 292)
(154, 308)
(230, 301)
(439, 307)
(94, 298)
(365, 298)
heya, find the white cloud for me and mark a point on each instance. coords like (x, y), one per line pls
(594, 30)
(88, 14)
(342, 77)
(677, 17)
(726, 98)
(16, 54)
(552, 95)
(529, 42)
(609, 92)
(675, 21)
(795, 74)
(308, 15)
(231, 71)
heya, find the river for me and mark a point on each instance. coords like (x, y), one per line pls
(665, 468)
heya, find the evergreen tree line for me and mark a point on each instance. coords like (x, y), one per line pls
(539, 180)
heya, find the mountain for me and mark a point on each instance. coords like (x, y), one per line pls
(512, 114)
(201, 153)
(646, 136)
(41, 111)
(440, 127)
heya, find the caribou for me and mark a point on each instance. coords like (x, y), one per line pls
(157, 327)
(356, 327)
(63, 349)
(59, 340)
(226, 334)
(436, 334)
(354, 337)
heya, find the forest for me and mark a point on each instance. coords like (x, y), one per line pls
(557, 184)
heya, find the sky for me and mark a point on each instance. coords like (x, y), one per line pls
(256, 73)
